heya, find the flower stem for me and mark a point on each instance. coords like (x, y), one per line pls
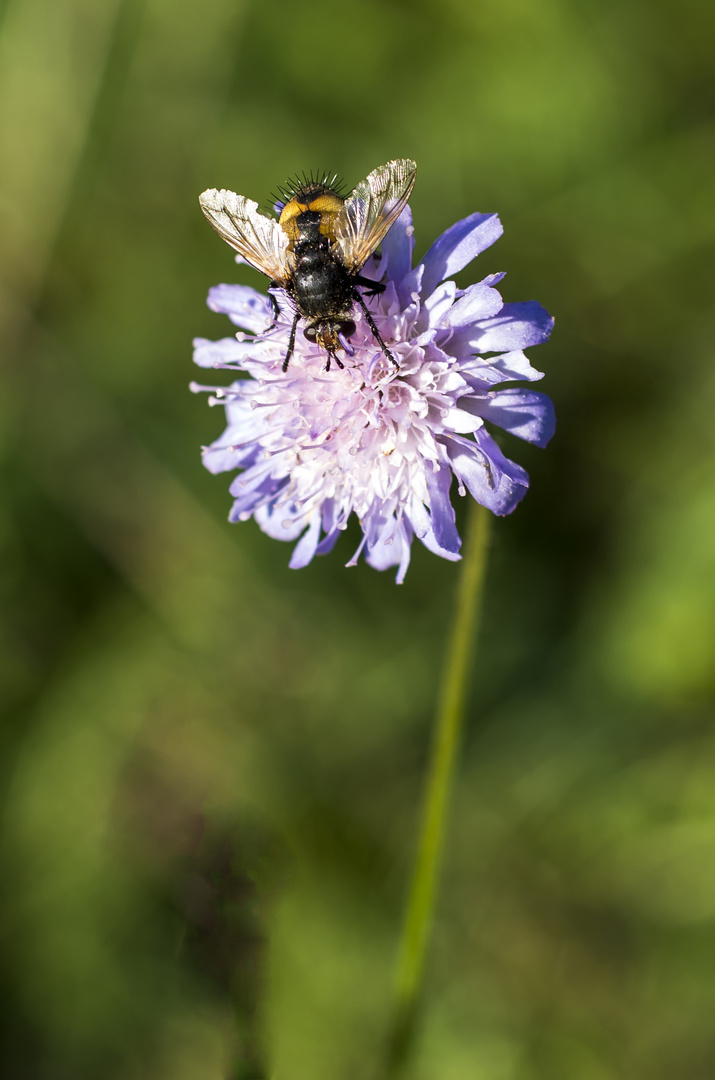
(448, 723)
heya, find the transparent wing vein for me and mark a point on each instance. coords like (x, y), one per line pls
(259, 239)
(372, 209)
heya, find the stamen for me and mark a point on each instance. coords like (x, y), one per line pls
(356, 556)
(392, 535)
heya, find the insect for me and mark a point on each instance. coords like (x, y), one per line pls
(316, 249)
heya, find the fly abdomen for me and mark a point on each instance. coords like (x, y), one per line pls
(321, 285)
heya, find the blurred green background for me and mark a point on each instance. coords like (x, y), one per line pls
(211, 764)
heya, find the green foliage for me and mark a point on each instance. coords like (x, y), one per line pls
(203, 750)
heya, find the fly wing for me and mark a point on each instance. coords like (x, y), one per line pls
(373, 207)
(259, 239)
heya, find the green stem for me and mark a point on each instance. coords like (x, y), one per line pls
(448, 724)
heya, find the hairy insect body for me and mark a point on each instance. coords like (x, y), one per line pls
(316, 249)
(311, 198)
(321, 287)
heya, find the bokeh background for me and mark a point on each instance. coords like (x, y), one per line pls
(211, 764)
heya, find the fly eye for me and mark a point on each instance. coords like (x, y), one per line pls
(310, 333)
(347, 329)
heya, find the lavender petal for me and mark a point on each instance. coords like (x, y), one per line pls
(458, 246)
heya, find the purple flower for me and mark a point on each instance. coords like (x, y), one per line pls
(386, 444)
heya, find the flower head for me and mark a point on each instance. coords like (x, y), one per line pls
(380, 441)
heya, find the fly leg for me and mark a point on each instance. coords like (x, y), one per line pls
(375, 331)
(291, 342)
(275, 306)
(338, 361)
(372, 288)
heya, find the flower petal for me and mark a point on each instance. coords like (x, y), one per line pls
(418, 516)
(305, 549)
(392, 548)
(223, 455)
(436, 306)
(328, 542)
(493, 480)
(462, 419)
(329, 521)
(441, 509)
(255, 485)
(515, 327)
(226, 353)
(244, 306)
(478, 302)
(522, 412)
(458, 246)
(405, 558)
(509, 367)
(431, 544)
(280, 519)
(399, 244)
